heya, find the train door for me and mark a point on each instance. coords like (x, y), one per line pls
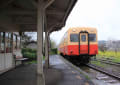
(83, 43)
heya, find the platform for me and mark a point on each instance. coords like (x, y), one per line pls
(59, 73)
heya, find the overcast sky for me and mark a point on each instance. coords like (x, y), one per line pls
(102, 14)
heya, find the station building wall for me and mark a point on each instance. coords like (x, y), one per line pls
(9, 48)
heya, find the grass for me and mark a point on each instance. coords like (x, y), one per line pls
(115, 57)
(97, 63)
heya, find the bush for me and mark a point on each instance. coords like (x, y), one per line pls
(53, 51)
(29, 53)
(29, 50)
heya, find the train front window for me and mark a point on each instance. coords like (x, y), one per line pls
(83, 38)
(74, 37)
(92, 37)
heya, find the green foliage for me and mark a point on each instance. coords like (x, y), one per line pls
(114, 56)
(53, 51)
(97, 63)
(53, 44)
(28, 50)
(31, 54)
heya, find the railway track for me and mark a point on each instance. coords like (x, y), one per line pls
(107, 62)
(115, 75)
(106, 76)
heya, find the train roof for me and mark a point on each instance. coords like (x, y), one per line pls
(83, 28)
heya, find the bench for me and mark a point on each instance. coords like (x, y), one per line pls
(19, 59)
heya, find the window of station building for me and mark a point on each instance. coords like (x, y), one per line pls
(14, 42)
(18, 42)
(2, 43)
(8, 42)
(92, 37)
(83, 38)
(1, 37)
(74, 37)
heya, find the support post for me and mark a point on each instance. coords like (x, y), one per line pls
(12, 48)
(39, 39)
(0, 42)
(40, 26)
(48, 47)
(16, 43)
(4, 37)
(20, 41)
(46, 50)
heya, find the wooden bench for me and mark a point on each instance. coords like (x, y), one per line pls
(20, 59)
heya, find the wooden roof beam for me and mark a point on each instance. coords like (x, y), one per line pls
(6, 3)
(48, 3)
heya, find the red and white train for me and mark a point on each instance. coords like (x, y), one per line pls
(79, 43)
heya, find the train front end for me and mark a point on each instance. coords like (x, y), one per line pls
(82, 43)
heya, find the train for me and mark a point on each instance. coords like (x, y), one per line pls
(79, 43)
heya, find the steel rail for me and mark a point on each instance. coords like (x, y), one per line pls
(107, 62)
(103, 71)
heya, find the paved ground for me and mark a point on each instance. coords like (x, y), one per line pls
(58, 74)
(70, 76)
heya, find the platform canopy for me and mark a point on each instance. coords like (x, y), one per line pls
(21, 15)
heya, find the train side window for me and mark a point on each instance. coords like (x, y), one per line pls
(74, 37)
(83, 38)
(92, 37)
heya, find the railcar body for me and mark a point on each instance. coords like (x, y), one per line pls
(79, 43)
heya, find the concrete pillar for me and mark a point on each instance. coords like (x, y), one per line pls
(39, 39)
(40, 27)
(48, 47)
(0, 41)
(12, 48)
(46, 50)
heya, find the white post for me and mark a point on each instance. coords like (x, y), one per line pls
(40, 26)
(0, 41)
(46, 50)
(39, 39)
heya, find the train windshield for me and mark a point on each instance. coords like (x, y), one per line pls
(74, 37)
(92, 37)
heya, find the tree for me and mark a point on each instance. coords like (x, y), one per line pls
(102, 47)
(52, 44)
(25, 39)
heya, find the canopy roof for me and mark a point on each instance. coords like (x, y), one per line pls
(21, 15)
